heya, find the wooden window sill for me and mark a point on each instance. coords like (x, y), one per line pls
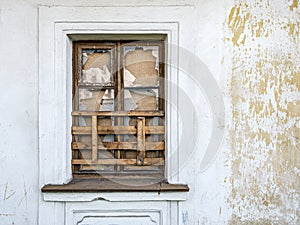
(88, 190)
(106, 185)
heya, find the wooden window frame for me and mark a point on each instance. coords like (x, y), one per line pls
(111, 185)
(118, 147)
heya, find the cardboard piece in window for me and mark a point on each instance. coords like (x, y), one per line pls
(96, 60)
(142, 64)
(144, 99)
(96, 68)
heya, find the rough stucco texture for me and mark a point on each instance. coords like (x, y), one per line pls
(265, 109)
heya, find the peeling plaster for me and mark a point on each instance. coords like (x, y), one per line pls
(265, 113)
(293, 4)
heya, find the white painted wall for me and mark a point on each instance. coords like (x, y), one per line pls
(19, 112)
(216, 193)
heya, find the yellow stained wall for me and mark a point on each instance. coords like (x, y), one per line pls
(263, 36)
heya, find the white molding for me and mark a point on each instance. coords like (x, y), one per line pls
(55, 24)
(114, 196)
(57, 143)
(168, 28)
(159, 212)
(82, 215)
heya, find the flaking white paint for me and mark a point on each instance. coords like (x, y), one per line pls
(264, 92)
(252, 45)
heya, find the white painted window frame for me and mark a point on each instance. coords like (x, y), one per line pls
(57, 25)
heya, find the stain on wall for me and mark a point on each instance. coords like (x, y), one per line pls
(263, 36)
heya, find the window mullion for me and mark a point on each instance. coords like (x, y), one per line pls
(140, 141)
(119, 99)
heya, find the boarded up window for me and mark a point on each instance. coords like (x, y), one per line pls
(118, 109)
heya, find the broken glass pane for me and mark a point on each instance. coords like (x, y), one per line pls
(96, 67)
(141, 66)
(141, 99)
(96, 100)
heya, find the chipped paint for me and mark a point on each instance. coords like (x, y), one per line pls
(265, 113)
(237, 24)
(294, 4)
(293, 30)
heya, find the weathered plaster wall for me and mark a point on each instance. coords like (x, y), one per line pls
(265, 110)
(255, 178)
(18, 110)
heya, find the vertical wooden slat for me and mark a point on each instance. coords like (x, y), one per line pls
(119, 97)
(94, 139)
(161, 97)
(75, 120)
(161, 106)
(140, 141)
(77, 56)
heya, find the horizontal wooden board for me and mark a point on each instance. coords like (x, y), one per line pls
(101, 168)
(147, 162)
(119, 113)
(117, 130)
(120, 175)
(105, 130)
(115, 185)
(155, 130)
(119, 145)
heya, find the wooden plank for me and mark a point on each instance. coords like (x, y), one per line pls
(120, 113)
(120, 98)
(106, 145)
(95, 45)
(108, 185)
(118, 130)
(147, 162)
(140, 141)
(157, 146)
(161, 102)
(94, 139)
(133, 168)
(119, 175)
(155, 129)
(97, 86)
(141, 87)
(105, 130)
